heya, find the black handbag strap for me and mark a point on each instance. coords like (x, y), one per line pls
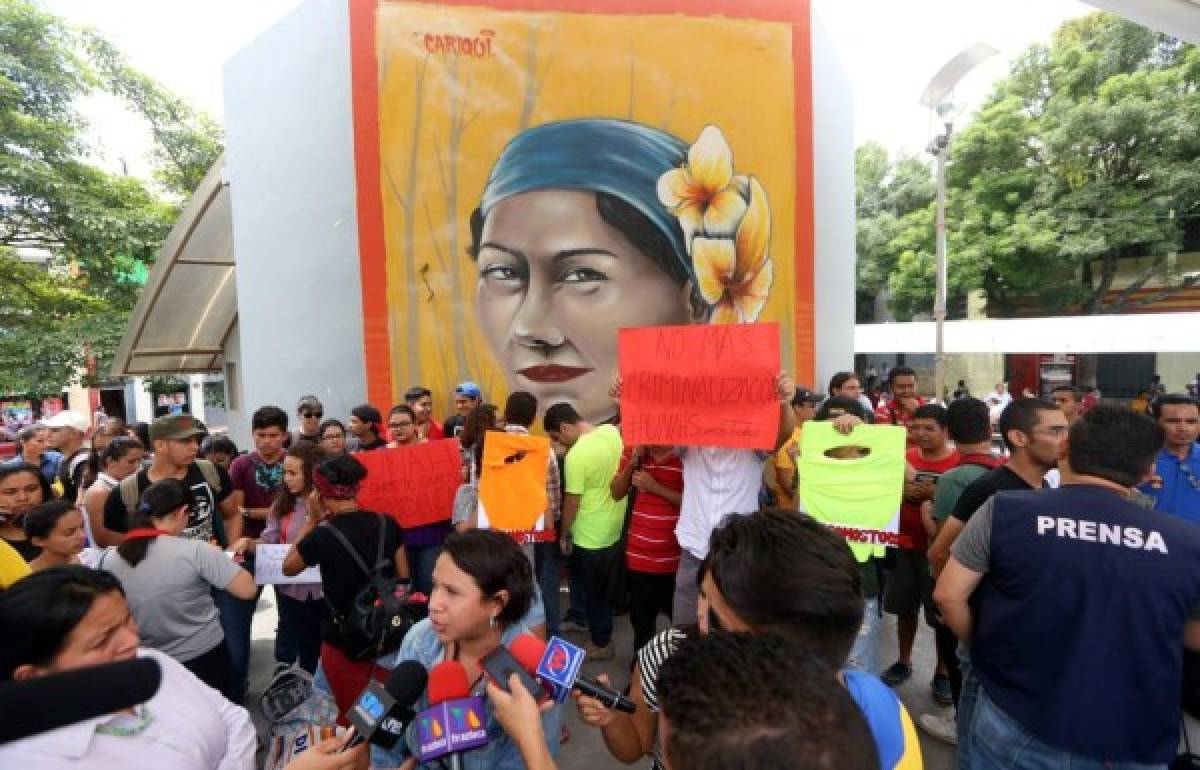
(339, 619)
(354, 554)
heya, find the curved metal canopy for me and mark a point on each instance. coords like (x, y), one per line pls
(189, 303)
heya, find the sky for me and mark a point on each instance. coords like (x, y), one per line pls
(889, 50)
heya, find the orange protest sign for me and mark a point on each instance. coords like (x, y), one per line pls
(415, 485)
(702, 385)
(512, 487)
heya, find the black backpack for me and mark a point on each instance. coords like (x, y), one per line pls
(379, 617)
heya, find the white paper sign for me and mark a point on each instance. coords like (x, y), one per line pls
(268, 567)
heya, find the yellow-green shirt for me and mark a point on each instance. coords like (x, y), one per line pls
(862, 493)
(591, 465)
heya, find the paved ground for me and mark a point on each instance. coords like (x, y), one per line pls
(585, 750)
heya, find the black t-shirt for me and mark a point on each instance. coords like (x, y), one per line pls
(204, 502)
(453, 426)
(25, 548)
(296, 435)
(378, 443)
(983, 488)
(341, 577)
(71, 472)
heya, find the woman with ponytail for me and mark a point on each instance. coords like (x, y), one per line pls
(301, 606)
(168, 581)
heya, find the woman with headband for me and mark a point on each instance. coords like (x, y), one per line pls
(332, 506)
(587, 226)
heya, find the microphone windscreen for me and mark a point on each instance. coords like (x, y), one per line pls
(448, 681)
(407, 682)
(34, 706)
(528, 650)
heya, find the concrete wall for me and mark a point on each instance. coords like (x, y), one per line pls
(236, 417)
(833, 203)
(290, 161)
(1177, 370)
(290, 166)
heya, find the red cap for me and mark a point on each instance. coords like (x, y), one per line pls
(528, 650)
(448, 681)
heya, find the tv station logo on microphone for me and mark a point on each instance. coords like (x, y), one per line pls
(455, 725)
(560, 666)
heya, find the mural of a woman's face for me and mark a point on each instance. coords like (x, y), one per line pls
(556, 282)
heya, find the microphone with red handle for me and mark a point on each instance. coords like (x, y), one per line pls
(557, 664)
(454, 721)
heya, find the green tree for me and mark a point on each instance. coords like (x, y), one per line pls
(886, 191)
(95, 230)
(1086, 154)
(186, 142)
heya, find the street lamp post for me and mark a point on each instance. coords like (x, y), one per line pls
(940, 149)
(936, 97)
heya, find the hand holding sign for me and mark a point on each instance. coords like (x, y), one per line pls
(854, 482)
(268, 567)
(703, 385)
(414, 484)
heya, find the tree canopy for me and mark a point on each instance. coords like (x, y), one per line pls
(99, 230)
(887, 192)
(1086, 154)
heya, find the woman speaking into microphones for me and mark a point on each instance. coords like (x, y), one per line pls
(482, 588)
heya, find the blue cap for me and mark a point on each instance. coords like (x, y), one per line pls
(468, 389)
(618, 157)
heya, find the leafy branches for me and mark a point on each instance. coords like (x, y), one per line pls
(1086, 155)
(87, 234)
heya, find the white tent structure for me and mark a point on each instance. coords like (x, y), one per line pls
(1178, 18)
(1158, 332)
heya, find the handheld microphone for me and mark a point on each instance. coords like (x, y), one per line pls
(454, 721)
(48, 702)
(500, 665)
(381, 713)
(558, 662)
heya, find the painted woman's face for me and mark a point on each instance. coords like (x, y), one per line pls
(556, 282)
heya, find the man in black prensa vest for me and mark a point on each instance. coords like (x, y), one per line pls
(1077, 605)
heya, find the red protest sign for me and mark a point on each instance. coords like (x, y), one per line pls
(703, 385)
(415, 485)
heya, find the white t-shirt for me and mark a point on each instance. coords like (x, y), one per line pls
(187, 725)
(717, 481)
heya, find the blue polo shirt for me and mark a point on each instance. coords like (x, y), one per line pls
(1175, 485)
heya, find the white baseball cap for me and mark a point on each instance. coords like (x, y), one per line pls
(73, 420)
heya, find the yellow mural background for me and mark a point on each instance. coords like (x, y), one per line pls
(445, 118)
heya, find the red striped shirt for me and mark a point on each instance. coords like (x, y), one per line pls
(652, 546)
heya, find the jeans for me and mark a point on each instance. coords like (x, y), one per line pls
(548, 566)
(687, 590)
(236, 617)
(212, 668)
(298, 636)
(420, 566)
(947, 650)
(864, 655)
(998, 742)
(592, 565)
(968, 698)
(575, 593)
(650, 595)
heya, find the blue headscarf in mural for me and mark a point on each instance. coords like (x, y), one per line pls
(617, 157)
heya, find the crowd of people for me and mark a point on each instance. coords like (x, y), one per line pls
(1059, 572)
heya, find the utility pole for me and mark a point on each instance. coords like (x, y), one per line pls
(940, 147)
(938, 97)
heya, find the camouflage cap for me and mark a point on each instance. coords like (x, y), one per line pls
(175, 426)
